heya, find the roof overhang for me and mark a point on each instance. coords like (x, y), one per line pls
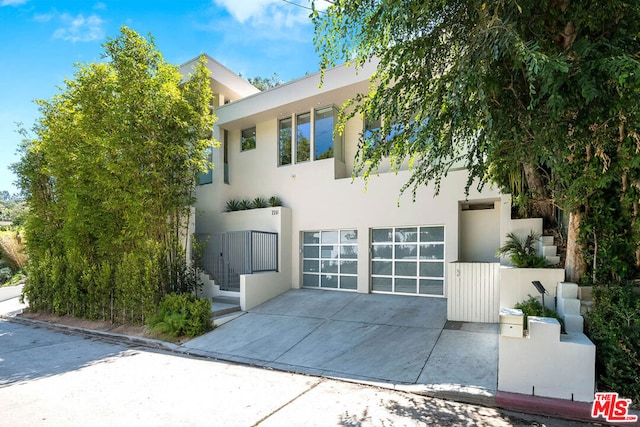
(298, 96)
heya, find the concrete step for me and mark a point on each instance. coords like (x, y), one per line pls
(224, 305)
(568, 306)
(567, 290)
(585, 293)
(553, 260)
(573, 323)
(546, 240)
(549, 251)
(221, 320)
(585, 306)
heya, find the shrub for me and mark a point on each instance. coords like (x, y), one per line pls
(257, 203)
(613, 324)
(246, 205)
(275, 201)
(533, 307)
(233, 205)
(260, 202)
(5, 274)
(522, 253)
(182, 315)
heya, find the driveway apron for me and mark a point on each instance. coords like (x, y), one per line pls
(363, 337)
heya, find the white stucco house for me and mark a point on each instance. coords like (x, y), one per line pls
(332, 232)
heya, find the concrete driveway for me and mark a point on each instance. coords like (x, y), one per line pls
(365, 337)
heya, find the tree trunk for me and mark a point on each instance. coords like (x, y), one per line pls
(541, 205)
(574, 266)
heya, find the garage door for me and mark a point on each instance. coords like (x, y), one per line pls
(408, 260)
(330, 259)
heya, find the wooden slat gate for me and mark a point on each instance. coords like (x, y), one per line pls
(473, 292)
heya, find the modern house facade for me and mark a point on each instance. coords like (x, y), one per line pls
(327, 229)
(337, 233)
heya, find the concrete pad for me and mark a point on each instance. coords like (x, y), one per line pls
(10, 292)
(396, 310)
(370, 338)
(11, 307)
(463, 358)
(360, 350)
(321, 304)
(256, 336)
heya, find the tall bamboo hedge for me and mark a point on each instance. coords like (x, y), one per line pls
(108, 174)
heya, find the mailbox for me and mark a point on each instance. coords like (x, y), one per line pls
(511, 322)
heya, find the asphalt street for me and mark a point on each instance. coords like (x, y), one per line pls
(60, 379)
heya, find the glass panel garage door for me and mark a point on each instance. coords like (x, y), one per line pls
(330, 259)
(408, 260)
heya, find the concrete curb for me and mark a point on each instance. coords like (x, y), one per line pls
(104, 335)
(556, 408)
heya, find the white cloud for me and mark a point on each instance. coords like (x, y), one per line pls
(12, 2)
(43, 17)
(242, 10)
(277, 13)
(80, 29)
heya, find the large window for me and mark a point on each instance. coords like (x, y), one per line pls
(284, 142)
(325, 148)
(408, 260)
(309, 136)
(330, 259)
(373, 136)
(303, 137)
(248, 139)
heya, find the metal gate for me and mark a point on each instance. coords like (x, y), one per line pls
(230, 254)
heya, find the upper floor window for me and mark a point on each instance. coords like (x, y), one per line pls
(372, 129)
(323, 133)
(313, 138)
(248, 139)
(206, 177)
(225, 152)
(284, 141)
(303, 137)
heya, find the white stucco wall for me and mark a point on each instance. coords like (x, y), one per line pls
(548, 364)
(480, 234)
(515, 284)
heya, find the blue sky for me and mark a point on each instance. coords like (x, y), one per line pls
(40, 41)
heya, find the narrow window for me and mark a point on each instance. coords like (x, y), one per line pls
(207, 177)
(248, 141)
(225, 149)
(323, 133)
(284, 145)
(303, 137)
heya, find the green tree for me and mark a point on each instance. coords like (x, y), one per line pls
(264, 83)
(109, 180)
(539, 97)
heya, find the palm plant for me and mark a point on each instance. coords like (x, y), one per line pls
(522, 252)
